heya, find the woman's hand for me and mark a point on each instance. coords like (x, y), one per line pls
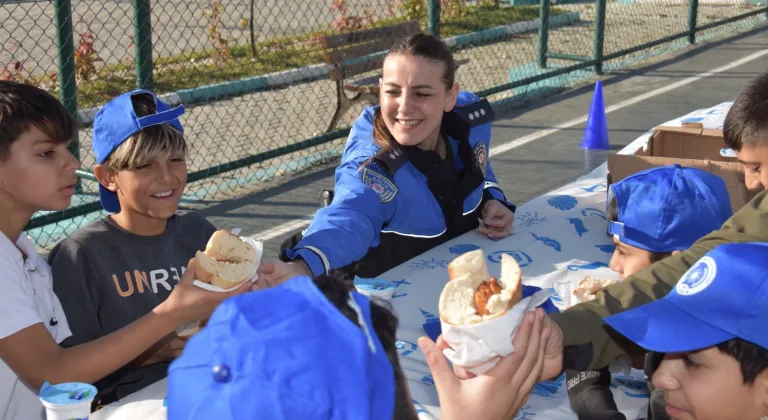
(499, 393)
(497, 220)
(275, 272)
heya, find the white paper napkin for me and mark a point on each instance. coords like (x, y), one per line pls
(478, 347)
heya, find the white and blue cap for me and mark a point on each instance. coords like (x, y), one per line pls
(117, 121)
(283, 353)
(668, 208)
(721, 297)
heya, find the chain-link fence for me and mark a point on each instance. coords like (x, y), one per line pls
(257, 76)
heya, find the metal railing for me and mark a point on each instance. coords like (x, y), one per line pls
(255, 75)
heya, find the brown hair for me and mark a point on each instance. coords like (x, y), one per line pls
(25, 106)
(747, 121)
(419, 45)
(148, 143)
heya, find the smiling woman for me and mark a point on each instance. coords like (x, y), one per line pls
(415, 173)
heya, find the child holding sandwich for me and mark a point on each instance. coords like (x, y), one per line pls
(651, 215)
(713, 333)
(37, 172)
(117, 269)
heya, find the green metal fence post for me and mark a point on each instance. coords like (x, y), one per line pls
(543, 33)
(142, 39)
(599, 34)
(67, 84)
(433, 24)
(693, 10)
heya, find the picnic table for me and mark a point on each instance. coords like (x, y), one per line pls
(559, 237)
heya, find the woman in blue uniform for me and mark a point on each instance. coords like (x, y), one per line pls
(414, 174)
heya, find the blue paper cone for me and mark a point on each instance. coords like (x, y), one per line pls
(596, 131)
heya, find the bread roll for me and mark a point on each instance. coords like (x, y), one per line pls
(473, 296)
(227, 261)
(588, 288)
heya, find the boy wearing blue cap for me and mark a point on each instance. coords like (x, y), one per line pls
(651, 215)
(713, 329)
(119, 268)
(37, 172)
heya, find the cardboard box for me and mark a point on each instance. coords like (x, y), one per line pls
(690, 146)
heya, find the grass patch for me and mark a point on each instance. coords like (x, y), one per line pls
(487, 17)
(201, 68)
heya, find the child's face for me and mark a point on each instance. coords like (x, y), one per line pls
(708, 385)
(755, 160)
(152, 190)
(38, 174)
(627, 259)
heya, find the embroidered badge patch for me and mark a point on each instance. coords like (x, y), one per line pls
(698, 277)
(480, 156)
(379, 183)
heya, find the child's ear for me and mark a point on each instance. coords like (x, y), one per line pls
(761, 388)
(106, 177)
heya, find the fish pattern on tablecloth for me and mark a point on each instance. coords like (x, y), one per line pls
(565, 228)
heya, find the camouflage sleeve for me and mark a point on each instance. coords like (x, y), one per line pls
(583, 325)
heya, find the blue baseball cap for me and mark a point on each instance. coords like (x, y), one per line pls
(283, 353)
(721, 297)
(668, 208)
(116, 121)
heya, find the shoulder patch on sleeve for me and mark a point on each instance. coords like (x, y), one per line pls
(476, 113)
(481, 157)
(382, 185)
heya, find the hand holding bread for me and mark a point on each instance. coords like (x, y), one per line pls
(227, 263)
(480, 314)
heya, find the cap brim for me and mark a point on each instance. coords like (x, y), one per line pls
(108, 200)
(663, 327)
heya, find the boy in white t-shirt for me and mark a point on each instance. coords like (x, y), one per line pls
(37, 172)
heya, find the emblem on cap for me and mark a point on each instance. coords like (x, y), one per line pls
(480, 156)
(697, 278)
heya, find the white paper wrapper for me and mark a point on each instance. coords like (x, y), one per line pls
(477, 347)
(259, 247)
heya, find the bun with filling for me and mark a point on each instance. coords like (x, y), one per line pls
(227, 261)
(588, 288)
(473, 296)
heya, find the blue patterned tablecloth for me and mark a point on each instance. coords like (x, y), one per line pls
(560, 235)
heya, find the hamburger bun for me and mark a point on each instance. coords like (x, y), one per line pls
(227, 261)
(589, 286)
(472, 295)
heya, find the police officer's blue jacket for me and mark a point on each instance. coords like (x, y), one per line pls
(386, 211)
